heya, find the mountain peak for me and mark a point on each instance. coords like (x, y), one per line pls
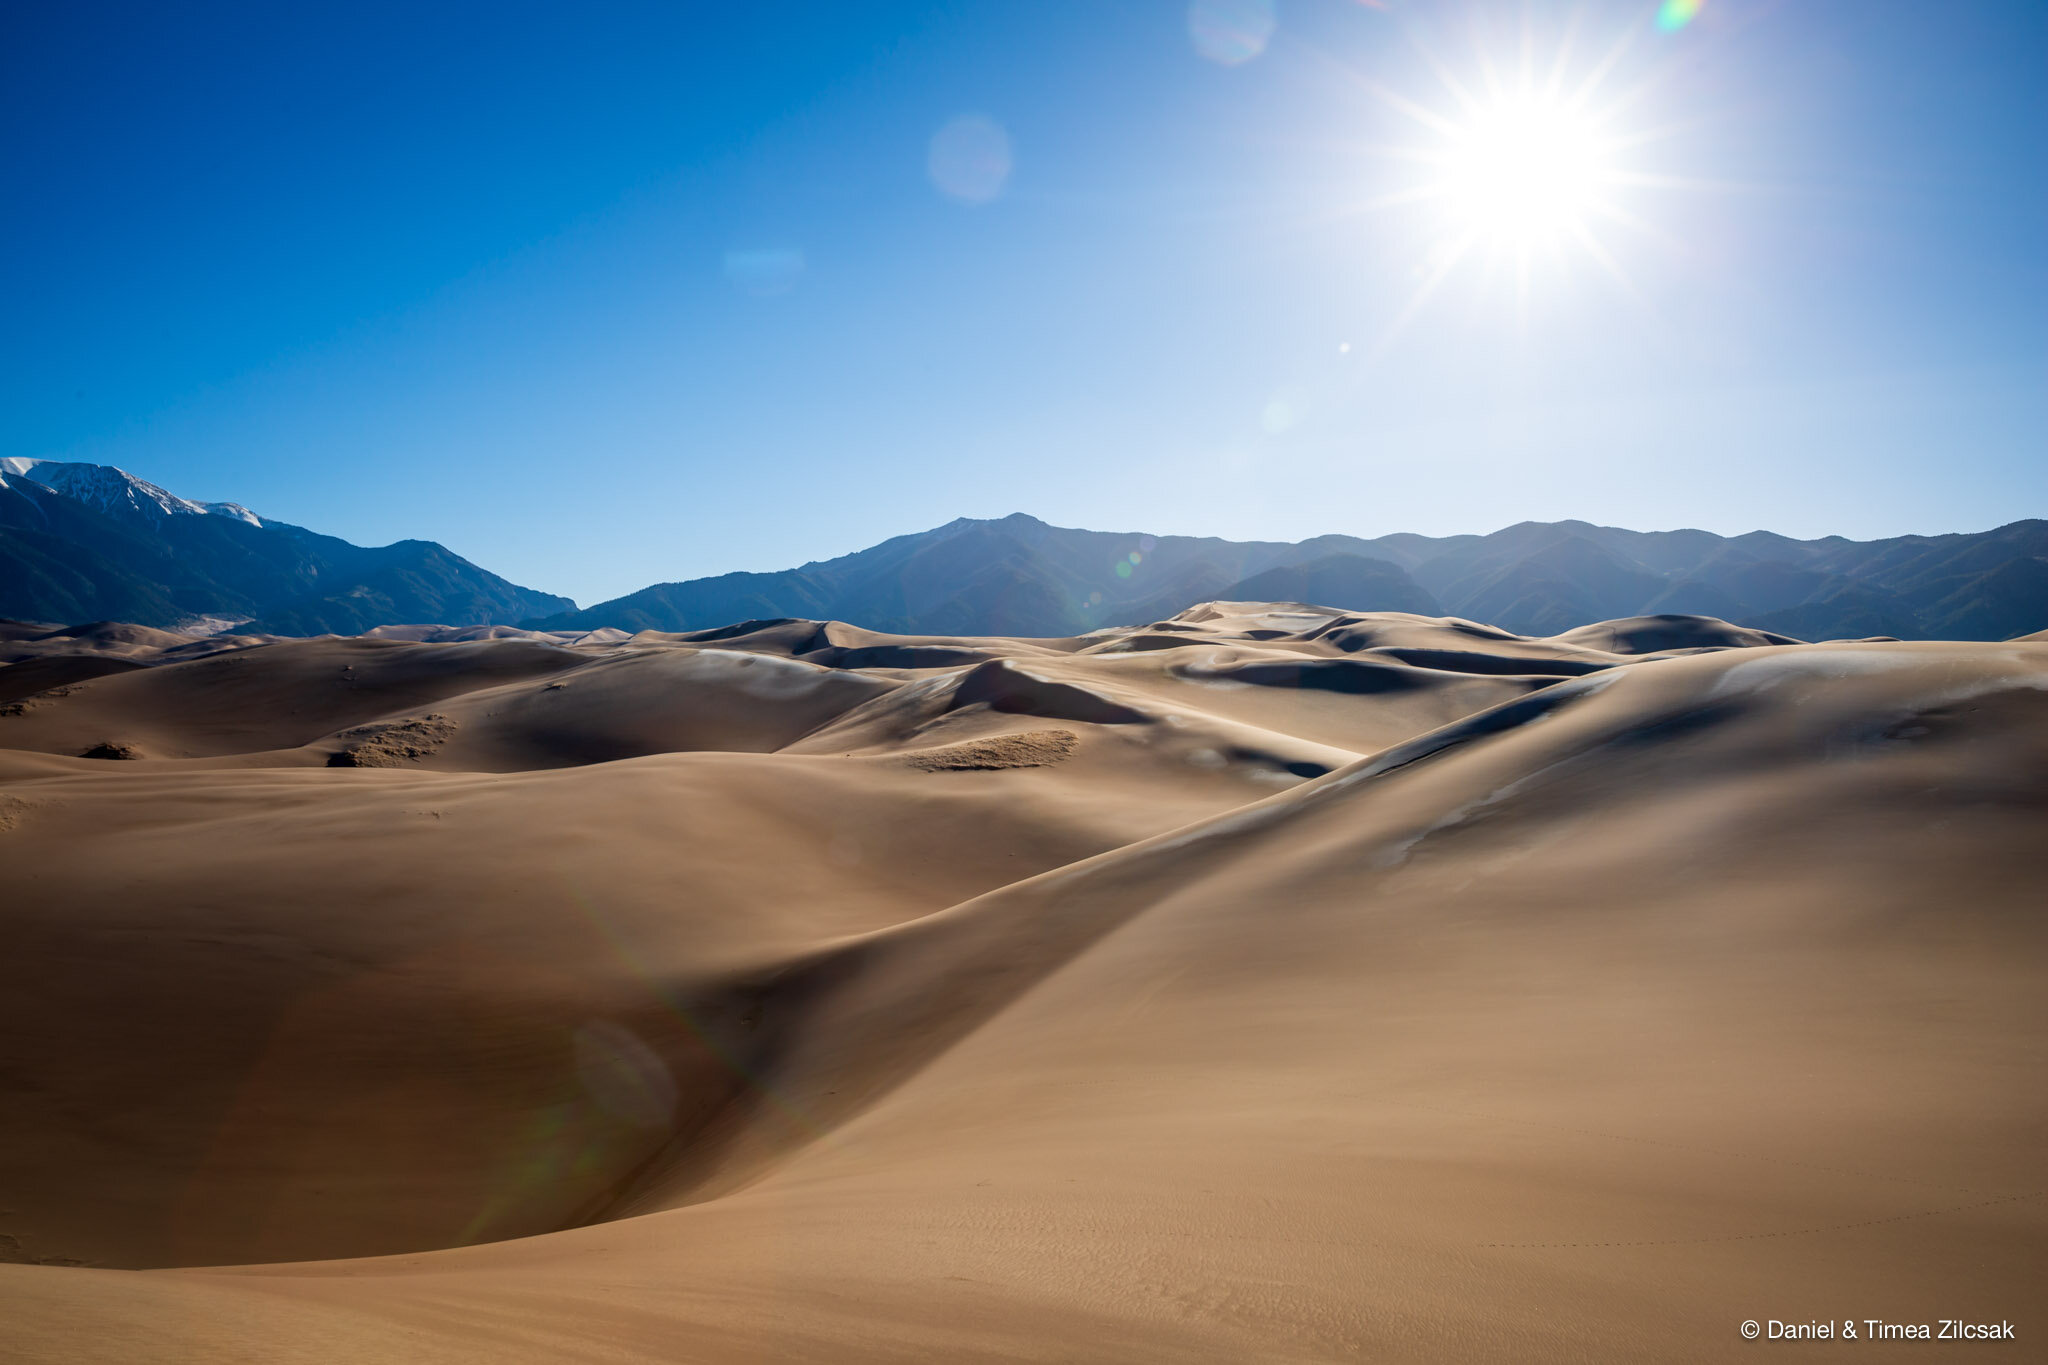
(87, 541)
(1013, 520)
(117, 492)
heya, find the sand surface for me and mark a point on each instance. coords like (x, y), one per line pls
(1266, 984)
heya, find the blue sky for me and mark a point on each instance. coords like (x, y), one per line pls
(613, 294)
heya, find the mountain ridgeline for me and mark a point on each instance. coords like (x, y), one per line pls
(1019, 576)
(84, 542)
(81, 542)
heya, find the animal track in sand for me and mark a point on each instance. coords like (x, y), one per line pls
(12, 809)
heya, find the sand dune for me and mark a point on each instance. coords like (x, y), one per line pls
(21, 640)
(1267, 983)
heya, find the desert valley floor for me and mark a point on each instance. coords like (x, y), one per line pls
(1265, 984)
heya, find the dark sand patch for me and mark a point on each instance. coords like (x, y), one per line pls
(111, 748)
(1030, 749)
(392, 744)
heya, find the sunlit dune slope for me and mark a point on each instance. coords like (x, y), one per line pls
(1332, 987)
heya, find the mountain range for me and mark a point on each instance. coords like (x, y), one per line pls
(1019, 576)
(85, 542)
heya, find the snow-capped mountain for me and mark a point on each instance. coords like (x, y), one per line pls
(85, 542)
(116, 491)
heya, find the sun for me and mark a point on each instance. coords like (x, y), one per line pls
(1527, 166)
(1525, 170)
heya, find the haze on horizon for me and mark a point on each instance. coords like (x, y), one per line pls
(651, 292)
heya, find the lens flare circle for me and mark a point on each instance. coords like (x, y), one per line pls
(1674, 15)
(764, 271)
(969, 159)
(1231, 32)
(626, 1078)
